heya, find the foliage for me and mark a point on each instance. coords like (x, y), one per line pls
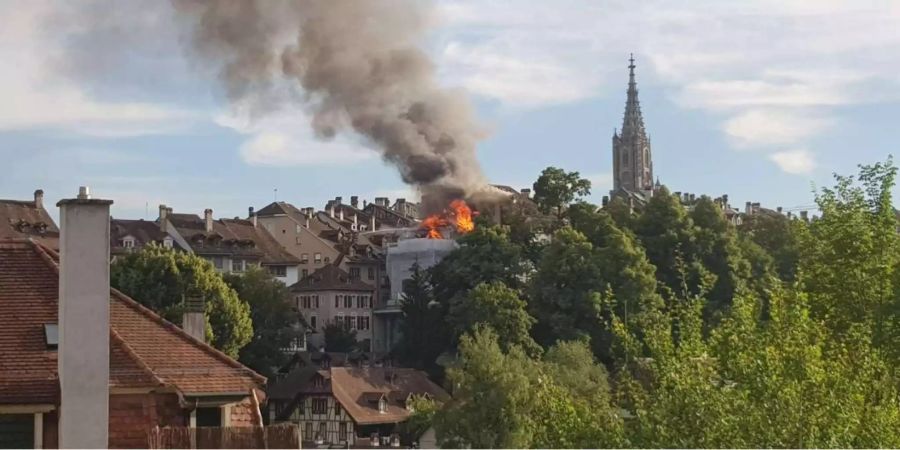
(508, 400)
(340, 338)
(499, 307)
(555, 189)
(773, 233)
(161, 278)
(423, 332)
(275, 321)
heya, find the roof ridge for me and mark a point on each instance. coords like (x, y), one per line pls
(134, 304)
(135, 357)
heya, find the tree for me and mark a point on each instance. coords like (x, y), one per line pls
(555, 189)
(340, 338)
(161, 278)
(775, 234)
(508, 400)
(275, 321)
(499, 307)
(484, 255)
(423, 330)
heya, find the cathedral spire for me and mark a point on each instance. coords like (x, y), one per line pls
(633, 121)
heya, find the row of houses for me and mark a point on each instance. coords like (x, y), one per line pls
(85, 366)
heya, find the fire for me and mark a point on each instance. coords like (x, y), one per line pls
(459, 215)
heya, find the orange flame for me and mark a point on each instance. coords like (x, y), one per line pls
(460, 215)
(463, 215)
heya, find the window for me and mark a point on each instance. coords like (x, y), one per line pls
(382, 405)
(209, 417)
(371, 271)
(348, 322)
(319, 405)
(313, 322)
(322, 431)
(348, 301)
(218, 262)
(237, 265)
(339, 319)
(304, 258)
(337, 301)
(308, 434)
(299, 240)
(128, 243)
(352, 323)
(327, 259)
(297, 230)
(278, 271)
(337, 409)
(354, 273)
(342, 431)
(51, 335)
(362, 323)
(304, 273)
(317, 258)
(316, 298)
(168, 242)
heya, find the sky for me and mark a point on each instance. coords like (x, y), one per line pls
(762, 100)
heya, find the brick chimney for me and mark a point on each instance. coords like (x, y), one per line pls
(39, 198)
(83, 355)
(208, 219)
(252, 215)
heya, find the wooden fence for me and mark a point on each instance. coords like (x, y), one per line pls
(273, 436)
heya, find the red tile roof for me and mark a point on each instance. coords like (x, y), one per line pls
(358, 389)
(22, 219)
(145, 350)
(330, 278)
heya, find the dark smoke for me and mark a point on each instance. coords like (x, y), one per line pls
(359, 66)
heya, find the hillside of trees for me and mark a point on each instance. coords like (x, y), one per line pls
(667, 327)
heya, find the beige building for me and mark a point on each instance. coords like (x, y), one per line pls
(329, 295)
(300, 234)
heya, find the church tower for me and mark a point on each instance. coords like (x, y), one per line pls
(632, 160)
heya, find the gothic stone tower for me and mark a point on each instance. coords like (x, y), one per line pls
(632, 160)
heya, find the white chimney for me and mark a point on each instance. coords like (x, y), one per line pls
(83, 355)
(207, 218)
(253, 217)
(39, 199)
(193, 320)
(372, 222)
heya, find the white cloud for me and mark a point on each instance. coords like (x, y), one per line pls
(770, 127)
(285, 138)
(36, 99)
(798, 162)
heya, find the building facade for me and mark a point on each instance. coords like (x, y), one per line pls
(330, 296)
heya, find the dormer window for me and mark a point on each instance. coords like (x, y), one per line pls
(168, 242)
(128, 242)
(382, 405)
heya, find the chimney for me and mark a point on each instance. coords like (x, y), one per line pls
(355, 220)
(747, 208)
(779, 209)
(526, 192)
(605, 200)
(83, 355)
(354, 201)
(252, 216)
(331, 211)
(193, 320)
(804, 216)
(39, 198)
(372, 222)
(342, 214)
(338, 200)
(207, 218)
(163, 215)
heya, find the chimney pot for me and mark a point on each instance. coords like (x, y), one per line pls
(39, 198)
(84, 193)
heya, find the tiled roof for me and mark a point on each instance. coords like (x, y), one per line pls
(231, 237)
(145, 350)
(359, 389)
(330, 278)
(23, 219)
(144, 232)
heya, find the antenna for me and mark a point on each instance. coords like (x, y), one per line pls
(276, 194)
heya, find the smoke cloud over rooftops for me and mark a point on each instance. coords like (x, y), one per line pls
(359, 67)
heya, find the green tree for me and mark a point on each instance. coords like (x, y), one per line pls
(484, 255)
(423, 330)
(275, 321)
(508, 400)
(499, 307)
(775, 234)
(555, 189)
(340, 338)
(161, 278)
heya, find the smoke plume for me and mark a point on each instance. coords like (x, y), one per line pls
(359, 67)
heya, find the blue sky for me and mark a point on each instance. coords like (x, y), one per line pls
(757, 99)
